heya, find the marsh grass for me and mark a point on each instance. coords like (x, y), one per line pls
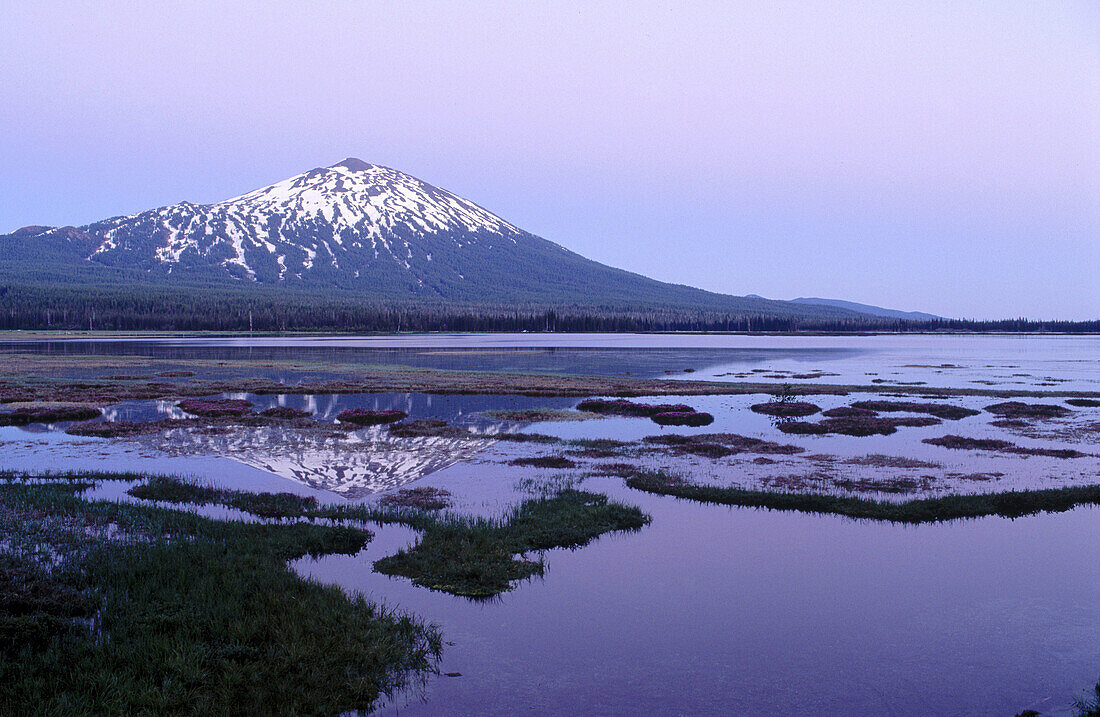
(428, 428)
(856, 425)
(543, 462)
(999, 446)
(1089, 706)
(472, 557)
(265, 505)
(1012, 504)
(48, 413)
(785, 409)
(475, 557)
(943, 411)
(538, 415)
(422, 498)
(1019, 409)
(682, 418)
(185, 615)
(719, 444)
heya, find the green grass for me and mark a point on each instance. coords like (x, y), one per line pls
(473, 557)
(1012, 504)
(184, 615)
(265, 505)
(1090, 705)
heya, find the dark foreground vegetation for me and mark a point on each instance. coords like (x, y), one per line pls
(473, 557)
(1012, 504)
(110, 608)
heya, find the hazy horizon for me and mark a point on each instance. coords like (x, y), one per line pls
(943, 157)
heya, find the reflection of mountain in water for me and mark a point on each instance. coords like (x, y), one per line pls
(353, 465)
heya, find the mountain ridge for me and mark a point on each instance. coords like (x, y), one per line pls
(359, 230)
(869, 309)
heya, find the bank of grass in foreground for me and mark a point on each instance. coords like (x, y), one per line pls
(110, 608)
(473, 557)
(1010, 504)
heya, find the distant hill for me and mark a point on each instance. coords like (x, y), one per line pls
(868, 309)
(354, 231)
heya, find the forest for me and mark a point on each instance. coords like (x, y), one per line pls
(145, 308)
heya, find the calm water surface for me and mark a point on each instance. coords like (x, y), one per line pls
(709, 610)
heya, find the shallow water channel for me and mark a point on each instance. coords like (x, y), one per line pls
(708, 610)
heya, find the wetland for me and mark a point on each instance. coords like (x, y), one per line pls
(860, 525)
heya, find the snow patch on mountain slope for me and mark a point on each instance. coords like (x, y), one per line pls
(347, 207)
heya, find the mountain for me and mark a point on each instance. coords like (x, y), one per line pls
(352, 230)
(868, 309)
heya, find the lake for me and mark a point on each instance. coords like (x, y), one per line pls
(709, 609)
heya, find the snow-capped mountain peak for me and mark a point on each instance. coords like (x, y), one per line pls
(343, 219)
(353, 191)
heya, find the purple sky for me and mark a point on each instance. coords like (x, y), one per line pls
(939, 156)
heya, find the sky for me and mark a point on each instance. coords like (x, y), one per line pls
(923, 155)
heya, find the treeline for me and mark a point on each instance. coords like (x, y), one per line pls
(143, 309)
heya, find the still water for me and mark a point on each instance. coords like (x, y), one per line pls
(708, 610)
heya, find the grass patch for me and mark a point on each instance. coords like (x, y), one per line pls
(27, 415)
(265, 505)
(785, 409)
(371, 417)
(682, 418)
(700, 444)
(856, 425)
(538, 415)
(525, 438)
(543, 462)
(428, 428)
(993, 444)
(421, 498)
(1019, 409)
(285, 412)
(1089, 706)
(475, 557)
(189, 615)
(622, 407)
(215, 407)
(925, 510)
(943, 411)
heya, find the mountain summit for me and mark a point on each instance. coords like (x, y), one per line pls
(354, 229)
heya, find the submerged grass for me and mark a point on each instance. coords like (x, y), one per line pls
(134, 609)
(1012, 504)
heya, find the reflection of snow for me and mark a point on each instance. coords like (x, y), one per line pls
(352, 464)
(168, 409)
